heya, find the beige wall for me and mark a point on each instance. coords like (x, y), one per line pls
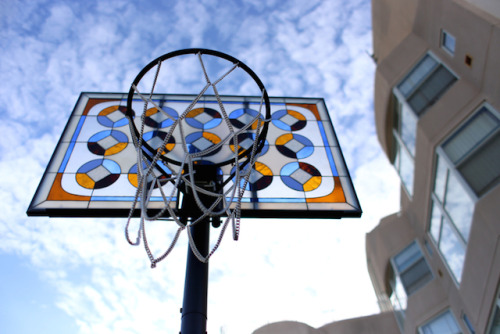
(488, 7)
(287, 327)
(375, 324)
(403, 31)
(394, 20)
(477, 35)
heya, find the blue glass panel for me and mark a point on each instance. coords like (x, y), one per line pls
(328, 149)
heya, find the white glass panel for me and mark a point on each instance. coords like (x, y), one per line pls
(459, 206)
(406, 170)
(440, 181)
(399, 298)
(408, 128)
(468, 137)
(453, 249)
(483, 167)
(399, 302)
(436, 218)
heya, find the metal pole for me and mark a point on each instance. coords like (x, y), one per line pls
(194, 306)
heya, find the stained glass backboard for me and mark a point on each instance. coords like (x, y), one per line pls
(301, 172)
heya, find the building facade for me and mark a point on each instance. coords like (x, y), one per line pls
(435, 265)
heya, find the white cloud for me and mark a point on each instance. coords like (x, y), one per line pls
(296, 270)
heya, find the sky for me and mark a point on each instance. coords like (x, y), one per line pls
(67, 275)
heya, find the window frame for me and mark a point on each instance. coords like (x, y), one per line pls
(409, 290)
(401, 105)
(452, 169)
(438, 316)
(444, 36)
(417, 87)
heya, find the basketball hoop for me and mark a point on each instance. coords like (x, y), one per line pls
(184, 165)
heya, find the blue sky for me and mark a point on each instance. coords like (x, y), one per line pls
(80, 275)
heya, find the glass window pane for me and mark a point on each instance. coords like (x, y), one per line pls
(437, 83)
(453, 249)
(399, 296)
(448, 42)
(483, 168)
(408, 129)
(411, 268)
(471, 135)
(444, 324)
(416, 276)
(406, 170)
(440, 181)
(431, 89)
(407, 257)
(423, 68)
(418, 102)
(459, 206)
(436, 218)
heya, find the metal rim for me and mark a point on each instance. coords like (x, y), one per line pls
(130, 112)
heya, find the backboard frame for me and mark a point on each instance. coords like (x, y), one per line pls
(341, 202)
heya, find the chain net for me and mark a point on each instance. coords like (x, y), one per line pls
(151, 173)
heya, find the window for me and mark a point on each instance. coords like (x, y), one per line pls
(448, 42)
(445, 323)
(495, 321)
(405, 133)
(411, 273)
(411, 267)
(425, 84)
(421, 88)
(466, 168)
(475, 150)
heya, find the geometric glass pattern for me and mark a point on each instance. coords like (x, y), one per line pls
(289, 120)
(203, 118)
(113, 116)
(241, 117)
(156, 138)
(300, 172)
(260, 178)
(294, 145)
(246, 141)
(98, 174)
(107, 142)
(301, 176)
(158, 119)
(202, 140)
